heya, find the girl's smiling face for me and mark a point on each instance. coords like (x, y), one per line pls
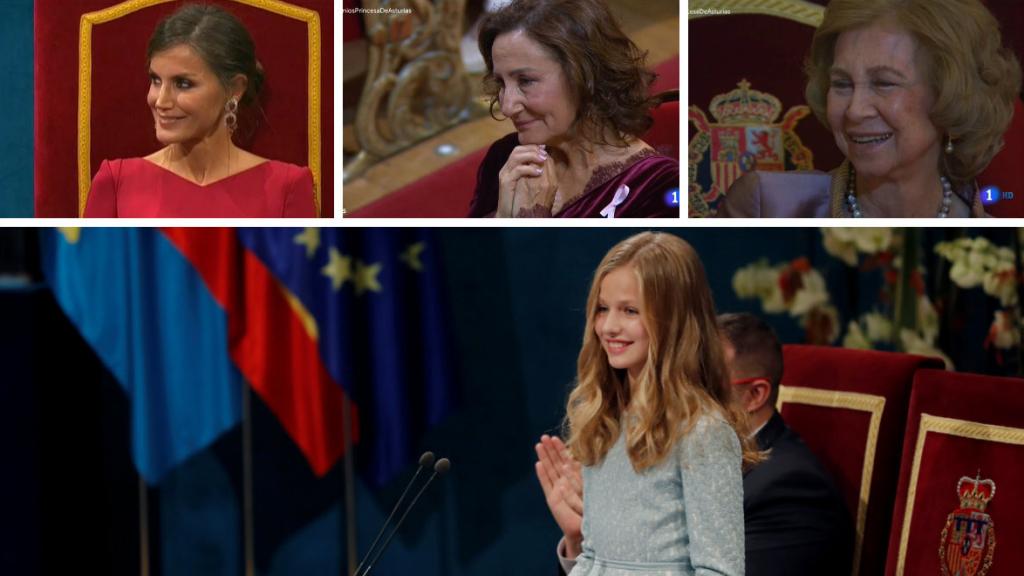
(619, 323)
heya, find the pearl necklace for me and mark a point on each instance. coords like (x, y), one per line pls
(854, 208)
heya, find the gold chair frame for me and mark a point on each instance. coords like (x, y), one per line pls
(414, 55)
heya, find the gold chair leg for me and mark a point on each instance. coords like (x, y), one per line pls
(358, 165)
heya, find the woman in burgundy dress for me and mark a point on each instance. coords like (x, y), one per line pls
(203, 69)
(577, 91)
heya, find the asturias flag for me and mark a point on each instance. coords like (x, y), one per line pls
(149, 317)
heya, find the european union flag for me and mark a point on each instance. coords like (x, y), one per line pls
(376, 298)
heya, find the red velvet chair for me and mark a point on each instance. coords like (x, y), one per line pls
(850, 408)
(961, 428)
(447, 192)
(102, 44)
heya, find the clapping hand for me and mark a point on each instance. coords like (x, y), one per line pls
(562, 481)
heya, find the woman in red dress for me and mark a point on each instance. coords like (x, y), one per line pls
(203, 69)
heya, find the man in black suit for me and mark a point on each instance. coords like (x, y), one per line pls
(795, 520)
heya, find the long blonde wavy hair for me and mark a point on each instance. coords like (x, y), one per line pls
(684, 376)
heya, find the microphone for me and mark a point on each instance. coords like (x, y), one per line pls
(426, 461)
(442, 467)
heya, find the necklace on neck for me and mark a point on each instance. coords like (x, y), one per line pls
(854, 208)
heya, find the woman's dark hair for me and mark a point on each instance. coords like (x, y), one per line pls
(219, 38)
(604, 68)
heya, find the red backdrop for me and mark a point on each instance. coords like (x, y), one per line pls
(121, 124)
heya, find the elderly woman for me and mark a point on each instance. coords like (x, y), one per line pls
(917, 93)
(577, 91)
(203, 73)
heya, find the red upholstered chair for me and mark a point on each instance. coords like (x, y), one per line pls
(850, 408)
(664, 134)
(960, 426)
(91, 86)
(746, 54)
(447, 193)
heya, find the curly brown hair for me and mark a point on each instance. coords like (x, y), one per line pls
(605, 70)
(973, 77)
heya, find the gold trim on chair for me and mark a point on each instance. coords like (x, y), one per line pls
(90, 19)
(875, 405)
(951, 427)
(796, 10)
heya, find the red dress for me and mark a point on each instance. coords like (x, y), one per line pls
(137, 188)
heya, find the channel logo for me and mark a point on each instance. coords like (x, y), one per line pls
(992, 194)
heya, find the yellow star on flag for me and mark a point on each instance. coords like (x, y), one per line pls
(366, 278)
(310, 238)
(411, 256)
(338, 268)
(71, 234)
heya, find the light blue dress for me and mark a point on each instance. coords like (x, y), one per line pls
(682, 517)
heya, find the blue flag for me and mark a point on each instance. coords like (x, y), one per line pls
(151, 320)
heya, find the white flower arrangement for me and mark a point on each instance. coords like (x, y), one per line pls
(1003, 334)
(978, 262)
(799, 289)
(856, 338)
(874, 328)
(913, 343)
(795, 288)
(847, 243)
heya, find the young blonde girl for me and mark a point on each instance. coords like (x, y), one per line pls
(650, 423)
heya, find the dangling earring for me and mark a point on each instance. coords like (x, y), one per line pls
(231, 118)
(949, 144)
